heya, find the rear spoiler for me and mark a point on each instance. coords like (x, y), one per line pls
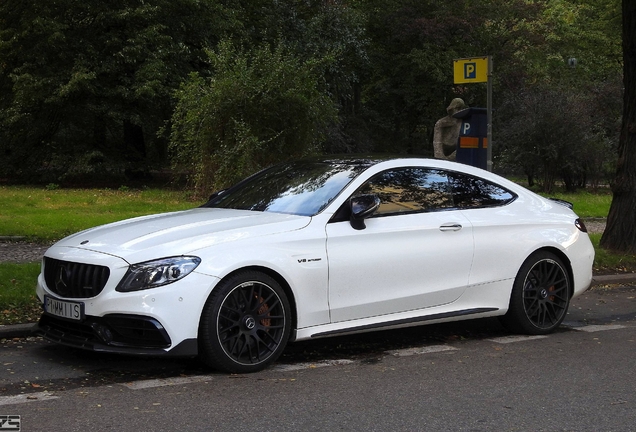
(567, 204)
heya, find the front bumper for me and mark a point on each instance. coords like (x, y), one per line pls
(123, 334)
(158, 321)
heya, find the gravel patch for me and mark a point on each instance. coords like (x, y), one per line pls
(595, 225)
(21, 252)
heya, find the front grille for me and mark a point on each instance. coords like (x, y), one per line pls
(74, 280)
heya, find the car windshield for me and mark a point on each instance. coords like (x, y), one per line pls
(299, 188)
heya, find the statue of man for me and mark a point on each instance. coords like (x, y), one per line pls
(446, 132)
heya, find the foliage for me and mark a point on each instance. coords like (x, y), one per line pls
(588, 31)
(261, 106)
(98, 79)
(413, 47)
(553, 134)
(82, 76)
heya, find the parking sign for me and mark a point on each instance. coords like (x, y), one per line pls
(471, 70)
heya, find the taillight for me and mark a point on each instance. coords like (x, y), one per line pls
(580, 225)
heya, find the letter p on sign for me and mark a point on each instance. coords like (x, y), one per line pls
(470, 71)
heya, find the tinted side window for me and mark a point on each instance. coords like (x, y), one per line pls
(408, 190)
(472, 192)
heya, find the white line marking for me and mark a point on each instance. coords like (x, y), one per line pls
(302, 366)
(27, 398)
(406, 352)
(597, 328)
(164, 382)
(513, 339)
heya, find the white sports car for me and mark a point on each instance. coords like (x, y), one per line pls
(317, 248)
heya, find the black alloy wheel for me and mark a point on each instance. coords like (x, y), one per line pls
(245, 324)
(540, 295)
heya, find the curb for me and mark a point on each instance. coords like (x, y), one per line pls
(16, 331)
(25, 330)
(621, 278)
(12, 238)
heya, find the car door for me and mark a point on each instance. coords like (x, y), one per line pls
(415, 252)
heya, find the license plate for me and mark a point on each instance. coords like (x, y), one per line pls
(64, 309)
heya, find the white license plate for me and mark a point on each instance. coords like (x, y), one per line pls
(64, 309)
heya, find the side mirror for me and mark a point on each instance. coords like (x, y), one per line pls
(362, 207)
(216, 194)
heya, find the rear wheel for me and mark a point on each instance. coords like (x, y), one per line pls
(540, 295)
(245, 323)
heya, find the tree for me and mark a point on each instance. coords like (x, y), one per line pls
(84, 84)
(620, 233)
(314, 29)
(531, 52)
(413, 45)
(546, 135)
(259, 107)
(97, 76)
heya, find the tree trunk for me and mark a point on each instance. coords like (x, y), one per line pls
(620, 234)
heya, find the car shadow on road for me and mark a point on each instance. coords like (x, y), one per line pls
(89, 369)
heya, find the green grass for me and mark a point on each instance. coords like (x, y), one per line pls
(586, 204)
(18, 302)
(47, 215)
(611, 262)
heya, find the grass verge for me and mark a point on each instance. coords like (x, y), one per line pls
(47, 215)
(587, 204)
(18, 302)
(606, 262)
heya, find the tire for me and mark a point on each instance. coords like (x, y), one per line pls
(245, 323)
(540, 295)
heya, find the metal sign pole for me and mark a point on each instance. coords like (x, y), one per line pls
(489, 116)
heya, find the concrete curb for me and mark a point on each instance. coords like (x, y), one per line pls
(614, 279)
(25, 330)
(16, 331)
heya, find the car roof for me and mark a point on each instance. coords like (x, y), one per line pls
(369, 160)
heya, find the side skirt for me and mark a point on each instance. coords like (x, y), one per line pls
(405, 322)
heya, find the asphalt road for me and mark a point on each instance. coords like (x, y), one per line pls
(469, 376)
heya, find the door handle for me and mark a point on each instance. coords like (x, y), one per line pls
(450, 227)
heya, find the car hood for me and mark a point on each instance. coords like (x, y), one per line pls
(178, 233)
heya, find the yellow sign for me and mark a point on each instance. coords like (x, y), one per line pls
(471, 70)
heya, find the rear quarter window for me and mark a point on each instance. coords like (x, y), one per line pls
(474, 192)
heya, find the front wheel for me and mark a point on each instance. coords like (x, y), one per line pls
(540, 295)
(245, 323)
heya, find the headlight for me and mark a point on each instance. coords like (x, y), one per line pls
(152, 274)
